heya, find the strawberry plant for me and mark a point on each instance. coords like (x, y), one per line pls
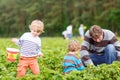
(54, 49)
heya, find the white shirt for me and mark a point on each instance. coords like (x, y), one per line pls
(69, 29)
(30, 46)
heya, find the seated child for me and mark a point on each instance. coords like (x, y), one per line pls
(71, 60)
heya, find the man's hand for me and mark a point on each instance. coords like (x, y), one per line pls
(88, 62)
(118, 58)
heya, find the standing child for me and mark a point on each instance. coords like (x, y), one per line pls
(81, 31)
(30, 44)
(65, 34)
(69, 31)
(71, 60)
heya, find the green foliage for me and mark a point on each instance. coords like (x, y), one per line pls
(16, 15)
(54, 50)
(113, 18)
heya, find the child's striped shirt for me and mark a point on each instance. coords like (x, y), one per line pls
(72, 62)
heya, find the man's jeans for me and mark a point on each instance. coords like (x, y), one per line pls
(107, 57)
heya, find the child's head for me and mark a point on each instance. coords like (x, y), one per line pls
(36, 27)
(74, 46)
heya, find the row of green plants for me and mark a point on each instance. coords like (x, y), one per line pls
(58, 15)
(54, 50)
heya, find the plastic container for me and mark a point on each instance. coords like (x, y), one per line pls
(12, 54)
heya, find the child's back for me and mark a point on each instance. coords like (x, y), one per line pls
(71, 60)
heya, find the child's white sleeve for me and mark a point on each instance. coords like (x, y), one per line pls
(39, 50)
(20, 41)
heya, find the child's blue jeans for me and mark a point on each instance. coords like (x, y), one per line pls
(69, 36)
(107, 57)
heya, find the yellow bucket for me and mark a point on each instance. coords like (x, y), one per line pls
(12, 54)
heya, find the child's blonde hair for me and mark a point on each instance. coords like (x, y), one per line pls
(74, 45)
(37, 24)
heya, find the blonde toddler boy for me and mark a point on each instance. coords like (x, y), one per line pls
(30, 44)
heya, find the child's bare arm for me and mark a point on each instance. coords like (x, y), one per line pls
(15, 40)
(40, 54)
